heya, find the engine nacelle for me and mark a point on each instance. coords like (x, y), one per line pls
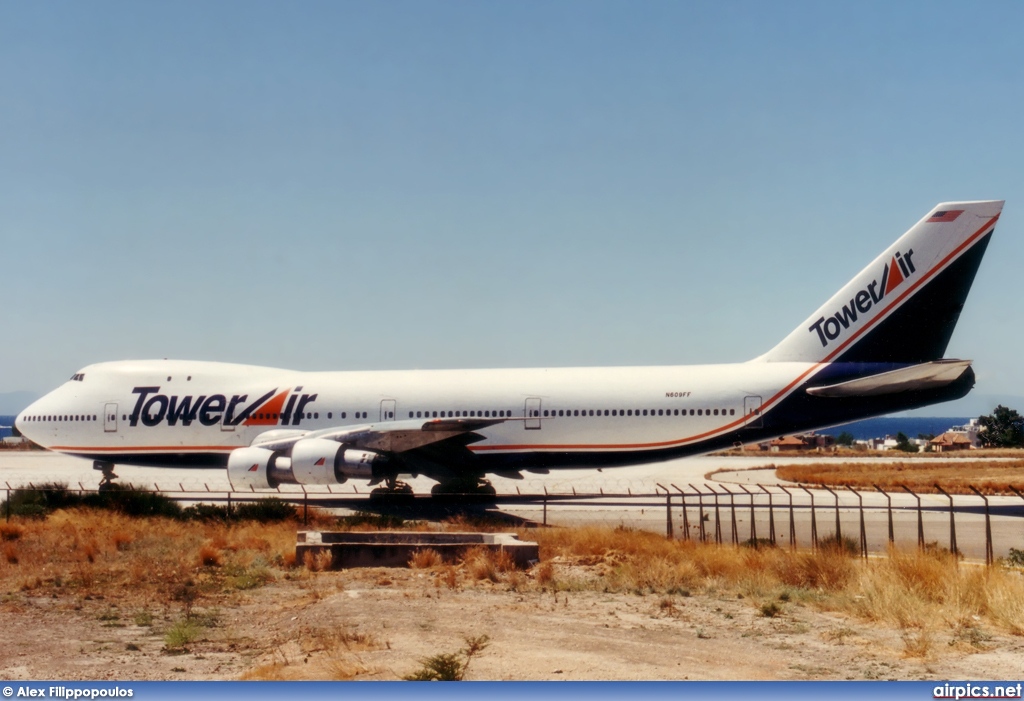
(313, 461)
(257, 468)
(322, 461)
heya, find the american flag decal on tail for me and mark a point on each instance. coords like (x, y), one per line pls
(945, 216)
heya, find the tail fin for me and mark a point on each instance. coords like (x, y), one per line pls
(903, 307)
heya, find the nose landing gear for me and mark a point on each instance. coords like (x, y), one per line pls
(107, 468)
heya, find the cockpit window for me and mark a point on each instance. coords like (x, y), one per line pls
(78, 377)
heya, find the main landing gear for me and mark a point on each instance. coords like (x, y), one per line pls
(394, 490)
(469, 488)
(107, 468)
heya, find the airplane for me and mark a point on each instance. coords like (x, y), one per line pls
(875, 347)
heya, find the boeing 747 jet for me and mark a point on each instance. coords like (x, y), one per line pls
(877, 346)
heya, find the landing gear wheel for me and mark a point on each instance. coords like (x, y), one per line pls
(107, 468)
(394, 492)
(470, 490)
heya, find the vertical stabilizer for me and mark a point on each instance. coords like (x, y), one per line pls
(904, 305)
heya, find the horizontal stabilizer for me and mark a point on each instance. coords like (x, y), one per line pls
(933, 375)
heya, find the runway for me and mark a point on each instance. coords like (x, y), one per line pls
(635, 497)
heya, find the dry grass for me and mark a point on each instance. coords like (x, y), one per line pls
(483, 563)
(10, 531)
(990, 477)
(84, 552)
(169, 564)
(209, 556)
(924, 594)
(425, 559)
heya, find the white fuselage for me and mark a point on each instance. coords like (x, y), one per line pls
(154, 408)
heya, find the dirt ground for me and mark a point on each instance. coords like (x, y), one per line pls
(382, 623)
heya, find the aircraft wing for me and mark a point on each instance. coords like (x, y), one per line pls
(937, 373)
(385, 436)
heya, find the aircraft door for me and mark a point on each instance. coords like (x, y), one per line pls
(110, 417)
(752, 412)
(388, 409)
(532, 414)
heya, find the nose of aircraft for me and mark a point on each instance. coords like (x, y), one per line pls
(27, 428)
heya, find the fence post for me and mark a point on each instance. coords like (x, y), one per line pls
(753, 521)
(686, 521)
(700, 501)
(771, 515)
(8, 503)
(229, 505)
(920, 518)
(668, 513)
(718, 518)
(305, 506)
(839, 525)
(952, 523)
(545, 506)
(814, 519)
(863, 531)
(792, 519)
(1015, 491)
(732, 512)
(989, 558)
(888, 499)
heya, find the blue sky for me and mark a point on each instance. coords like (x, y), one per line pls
(357, 185)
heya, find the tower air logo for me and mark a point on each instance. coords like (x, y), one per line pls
(895, 272)
(153, 408)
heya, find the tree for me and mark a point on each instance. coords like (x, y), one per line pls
(903, 443)
(1003, 428)
(845, 438)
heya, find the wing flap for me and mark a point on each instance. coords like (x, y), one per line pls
(388, 437)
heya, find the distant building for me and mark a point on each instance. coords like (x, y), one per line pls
(890, 442)
(805, 442)
(970, 430)
(950, 441)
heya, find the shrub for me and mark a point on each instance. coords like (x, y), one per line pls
(181, 634)
(133, 502)
(36, 502)
(844, 545)
(363, 519)
(266, 510)
(425, 559)
(1015, 558)
(205, 512)
(449, 666)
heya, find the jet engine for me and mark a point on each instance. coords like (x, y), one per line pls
(312, 461)
(321, 461)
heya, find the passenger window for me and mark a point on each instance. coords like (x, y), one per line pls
(732, 412)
